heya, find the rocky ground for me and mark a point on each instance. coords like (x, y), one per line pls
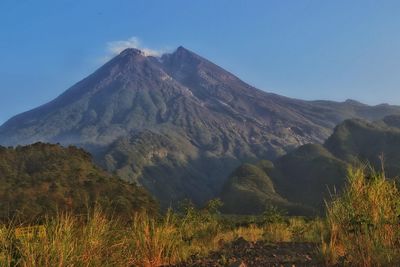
(242, 253)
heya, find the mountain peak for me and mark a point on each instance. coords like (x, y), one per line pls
(183, 53)
(131, 52)
(353, 102)
(138, 52)
(183, 50)
(199, 114)
(131, 55)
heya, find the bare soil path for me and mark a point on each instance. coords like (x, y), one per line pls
(248, 254)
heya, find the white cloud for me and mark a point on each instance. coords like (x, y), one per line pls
(116, 47)
(113, 48)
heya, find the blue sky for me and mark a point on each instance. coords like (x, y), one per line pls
(305, 49)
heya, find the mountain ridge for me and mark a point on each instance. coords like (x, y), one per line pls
(311, 173)
(203, 120)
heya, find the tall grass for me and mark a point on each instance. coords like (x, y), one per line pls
(362, 228)
(6, 246)
(364, 222)
(62, 241)
(98, 240)
(151, 243)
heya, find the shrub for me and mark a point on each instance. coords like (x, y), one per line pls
(152, 243)
(364, 222)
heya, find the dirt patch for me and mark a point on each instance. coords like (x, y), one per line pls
(247, 254)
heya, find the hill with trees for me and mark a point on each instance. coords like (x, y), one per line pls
(43, 179)
(310, 174)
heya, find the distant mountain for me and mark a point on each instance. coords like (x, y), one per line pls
(250, 190)
(43, 179)
(309, 174)
(179, 124)
(254, 188)
(376, 143)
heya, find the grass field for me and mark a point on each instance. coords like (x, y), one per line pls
(361, 228)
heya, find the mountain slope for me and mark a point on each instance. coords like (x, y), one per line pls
(357, 140)
(203, 120)
(43, 179)
(298, 182)
(309, 174)
(252, 187)
(250, 190)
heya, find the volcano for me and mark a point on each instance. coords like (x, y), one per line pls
(178, 124)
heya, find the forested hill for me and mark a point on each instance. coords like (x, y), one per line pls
(43, 179)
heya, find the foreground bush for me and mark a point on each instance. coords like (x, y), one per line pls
(364, 222)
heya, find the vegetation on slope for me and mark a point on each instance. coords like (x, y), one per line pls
(158, 162)
(364, 222)
(206, 113)
(309, 174)
(249, 191)
(43, 179)
(297, 182)
(356, 140)
(362, 228)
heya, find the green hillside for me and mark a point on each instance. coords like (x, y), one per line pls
(357, 140)
(248, 190)
(42, 179)
(297, 182)
(309, 174)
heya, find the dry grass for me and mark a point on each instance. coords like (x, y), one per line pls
(151, 243)
(362, 228)
(277, 232)
(364, 222)
(101, 241)
(146, 241)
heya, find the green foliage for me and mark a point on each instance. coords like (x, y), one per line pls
(199, 225)
(248, 189)
(43, 179)
(213, 206)
(364, 222)
(297, 182)
(357, 141)
(306, 176)
(273, 214)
